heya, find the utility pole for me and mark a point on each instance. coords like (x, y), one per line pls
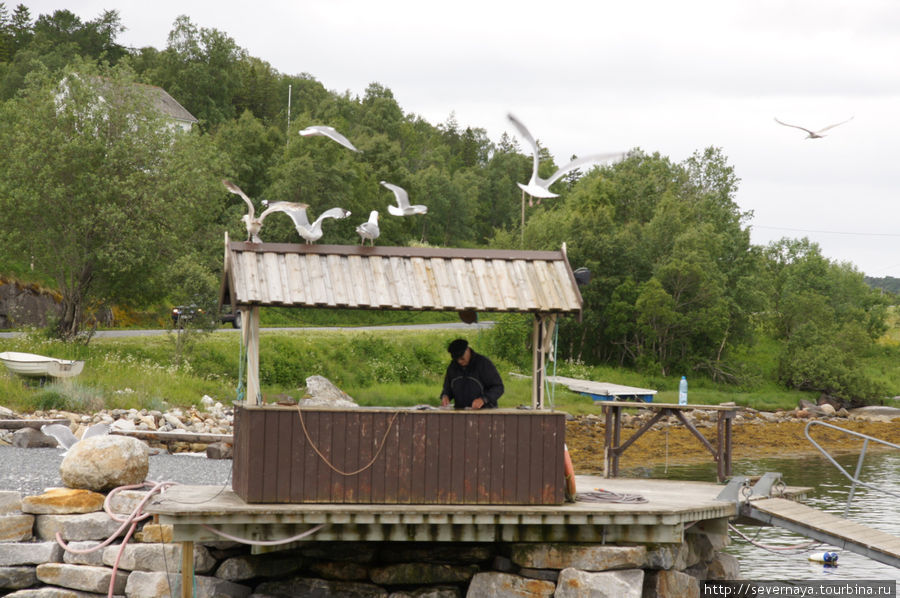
(288, 135)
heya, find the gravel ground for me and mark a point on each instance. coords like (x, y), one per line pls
(32, 470)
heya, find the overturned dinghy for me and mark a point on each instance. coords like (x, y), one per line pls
(39, 366)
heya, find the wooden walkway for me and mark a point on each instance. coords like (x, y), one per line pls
(825, 527)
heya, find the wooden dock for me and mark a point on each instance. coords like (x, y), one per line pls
(825, 527)
(670, 507)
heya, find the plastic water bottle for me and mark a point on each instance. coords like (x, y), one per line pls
(682, 391)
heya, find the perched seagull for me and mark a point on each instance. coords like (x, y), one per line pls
(327, 132)
(66, 439)
(403, 208)
(538, 187)
(249, 219)
(369, 230)
(297, 212)
(814, 134)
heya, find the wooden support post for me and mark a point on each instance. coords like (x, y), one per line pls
(537, 364)
(251, 331)
(187, 569)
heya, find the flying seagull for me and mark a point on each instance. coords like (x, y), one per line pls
(538, 187)
(66, 439)
(369, 230)
(814, 134)
(403, 208)
(297, 211)
(253, 223)
(329, 132)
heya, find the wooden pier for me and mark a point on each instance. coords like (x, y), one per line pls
(864, 540)
(669, 507)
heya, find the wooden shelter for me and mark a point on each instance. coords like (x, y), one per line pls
(400, 278)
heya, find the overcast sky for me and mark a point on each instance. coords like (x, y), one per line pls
(595, 76)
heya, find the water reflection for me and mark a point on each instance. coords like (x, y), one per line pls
(830, 491)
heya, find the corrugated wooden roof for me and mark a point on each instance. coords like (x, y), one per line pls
(356, 277)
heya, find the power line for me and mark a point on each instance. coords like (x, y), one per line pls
(827, 232)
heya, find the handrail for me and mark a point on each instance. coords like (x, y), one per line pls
(855, 477)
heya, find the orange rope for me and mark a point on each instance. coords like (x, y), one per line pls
(325, 459)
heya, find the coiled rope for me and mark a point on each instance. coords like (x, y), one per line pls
(601, 495)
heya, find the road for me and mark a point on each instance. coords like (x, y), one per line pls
(440, 326)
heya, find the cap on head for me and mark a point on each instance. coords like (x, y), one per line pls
(458, 347)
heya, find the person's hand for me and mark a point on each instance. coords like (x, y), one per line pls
(445, 401)
(478, 403)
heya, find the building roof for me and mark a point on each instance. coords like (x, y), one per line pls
(400, 278)
(169, 106)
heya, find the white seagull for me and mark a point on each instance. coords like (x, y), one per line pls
(310, 232)
(329, 132)
(369, 230)
(538, 187)
(250, 220)
(814, 134)
(403, 208)
(66, 439)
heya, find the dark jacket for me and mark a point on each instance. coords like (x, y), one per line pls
(478, 379)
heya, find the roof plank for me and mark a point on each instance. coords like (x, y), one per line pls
(384, 277)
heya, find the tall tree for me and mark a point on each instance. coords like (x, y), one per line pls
(108, 192)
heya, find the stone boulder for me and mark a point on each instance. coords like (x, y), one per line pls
(321, 392)
(101, 463)
(32, 438)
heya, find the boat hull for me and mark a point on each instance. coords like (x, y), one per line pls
(39, 366)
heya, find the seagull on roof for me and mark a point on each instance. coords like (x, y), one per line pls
(538, 187)
(329, 132)
(250, 220)
(403, 208)
(814, 134)
(66, 439)
(369, 230)
(311, 232)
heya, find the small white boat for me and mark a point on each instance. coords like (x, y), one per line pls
(38, 366)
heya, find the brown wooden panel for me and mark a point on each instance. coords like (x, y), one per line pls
(349, 433)
(298, 455)
(458, 459)
(498, 461)
(404, 458)
(470, 450)
(523, 465)
(432, 458)
(484, 458)
(379, 427)
(241, 461)
(419, 456)
(391, 461)
(367, 449)
(323, 491)
(510, 461)
(535, 460)
(284, 432)
(445, 460)
(552, 478)
(311, 461)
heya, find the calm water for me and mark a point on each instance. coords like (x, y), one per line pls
(831, 487)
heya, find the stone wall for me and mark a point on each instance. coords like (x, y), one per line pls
(26, 305)
(34, 565)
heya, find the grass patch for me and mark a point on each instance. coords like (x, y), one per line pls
(390, 368)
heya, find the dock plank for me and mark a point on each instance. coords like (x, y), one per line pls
(842, 529)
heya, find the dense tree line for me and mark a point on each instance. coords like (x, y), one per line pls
(677, 286)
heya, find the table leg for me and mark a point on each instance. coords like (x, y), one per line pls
(187, 569)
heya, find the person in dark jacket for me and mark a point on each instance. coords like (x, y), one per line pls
(471, 379)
